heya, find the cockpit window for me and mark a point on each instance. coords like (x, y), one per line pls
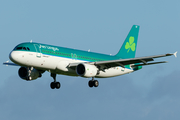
(28, 48)
(22, 48)
(19, 48)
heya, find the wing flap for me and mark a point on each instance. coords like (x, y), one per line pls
(149, 64)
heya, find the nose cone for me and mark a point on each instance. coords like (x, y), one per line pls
(13, 56)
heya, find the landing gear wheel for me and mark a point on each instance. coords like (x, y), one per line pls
(90, 83)
(96, 83)
(53, 85)
(58, 85)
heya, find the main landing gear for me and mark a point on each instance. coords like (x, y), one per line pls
(54, 84)
(57, 85)
(93, 82)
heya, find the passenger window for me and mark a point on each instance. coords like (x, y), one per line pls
(24, 48)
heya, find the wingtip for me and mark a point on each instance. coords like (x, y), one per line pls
(175, 54)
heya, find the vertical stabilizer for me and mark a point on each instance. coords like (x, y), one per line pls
(128, 49)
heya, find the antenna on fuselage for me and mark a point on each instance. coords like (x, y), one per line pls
(31, 41)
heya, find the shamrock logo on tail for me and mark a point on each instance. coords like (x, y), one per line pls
(130, 45)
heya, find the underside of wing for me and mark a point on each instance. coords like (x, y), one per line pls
(12, 64)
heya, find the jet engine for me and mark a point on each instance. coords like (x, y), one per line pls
(86, 70)
(28, 74)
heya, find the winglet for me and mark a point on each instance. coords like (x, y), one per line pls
(175, 54)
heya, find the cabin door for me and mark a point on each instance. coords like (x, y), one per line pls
(38, 50)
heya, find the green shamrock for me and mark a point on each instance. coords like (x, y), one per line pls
(130, 45)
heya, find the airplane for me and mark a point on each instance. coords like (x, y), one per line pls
(36, 58)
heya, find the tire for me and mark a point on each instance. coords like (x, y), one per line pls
(58, 85)
(90, 83)
(96, 83)
(53, 85)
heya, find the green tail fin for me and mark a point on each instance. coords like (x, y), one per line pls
(128, 49)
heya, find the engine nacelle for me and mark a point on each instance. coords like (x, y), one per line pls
(86, 70)
(26, 74)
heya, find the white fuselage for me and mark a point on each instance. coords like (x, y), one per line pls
(58, 65)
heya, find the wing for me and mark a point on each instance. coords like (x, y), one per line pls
(141, 61)
(7, 63)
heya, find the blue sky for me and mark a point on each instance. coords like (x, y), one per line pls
(99, 25)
